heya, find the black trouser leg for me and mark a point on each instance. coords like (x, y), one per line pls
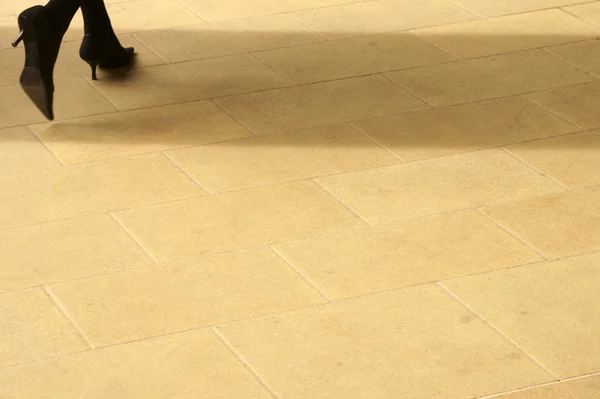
(61, 13)
(95, 17)
(97, 22)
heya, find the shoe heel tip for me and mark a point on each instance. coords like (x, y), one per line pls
(18, 40)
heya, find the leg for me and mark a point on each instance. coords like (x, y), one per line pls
(96, 19)
(61, 12)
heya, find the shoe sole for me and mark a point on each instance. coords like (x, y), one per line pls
(31, 79)
(33, 85)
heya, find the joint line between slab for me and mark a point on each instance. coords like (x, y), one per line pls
(186, 173)
(62, 310)
(275, 71)
(353, 126)
(244, 362)
(533, 168)
(133, 238)
(580, 377)
(232, 116)
(512, 234)
(149, 48)
(104, 96)
(192, 11)
(468, 10)
(340, 202)
(452, 295)
(304, 276)
(526, 96)
(43, 143)
(423, 100)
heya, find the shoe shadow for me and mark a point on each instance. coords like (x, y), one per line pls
(282, 81)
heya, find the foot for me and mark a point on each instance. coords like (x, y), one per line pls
(104, 52)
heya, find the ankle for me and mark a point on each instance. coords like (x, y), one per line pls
(104, 38)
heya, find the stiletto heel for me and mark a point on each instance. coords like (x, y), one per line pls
(93, 65)
(18, 39)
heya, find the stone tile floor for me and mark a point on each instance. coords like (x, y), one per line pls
(308, 199)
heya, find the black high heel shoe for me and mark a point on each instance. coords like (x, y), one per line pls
(41, 50)
(99, 52)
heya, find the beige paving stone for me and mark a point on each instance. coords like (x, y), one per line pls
(33, 329)
(51, 252)
(190, 81)
(353, 57)
(73, 98)
(463, 128)
(8, 25)
(214, 10)
(147, 302)
(590, 11)
(406, 191)
(573, 160)
(140, 15)
(365, 260)
(490, 77)
(489, 8)
(11, 64)
(11, 9)
(558, 225)
(558, 328)
(194, 364)
(585, 55)
(427, 168)
(16, 108)
(223, 38)
(577, 104)
(511, 33)
(261, 161)
(237, 220)
(319, 104)
(20, 151)
(583, 388)
(76, 31)
(382, 16)
(139, 131)
(62, 193)
(384, 346)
